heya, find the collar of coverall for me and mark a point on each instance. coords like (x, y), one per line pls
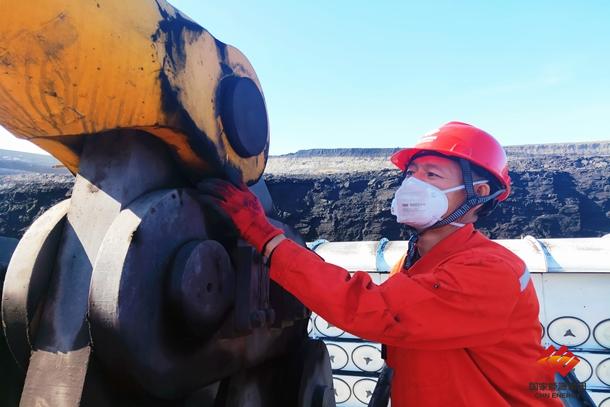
(443, 249)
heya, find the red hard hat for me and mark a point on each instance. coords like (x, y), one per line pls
(461, 140)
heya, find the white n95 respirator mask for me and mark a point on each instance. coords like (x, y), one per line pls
(419, 204)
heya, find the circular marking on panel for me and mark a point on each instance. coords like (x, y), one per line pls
(338, 356)
(326, 328)
(568, 331)
(342, 390)
(583, 370)
(605, 402)
(367, 358)
(601, 333)
(363, 390)
(603, 371)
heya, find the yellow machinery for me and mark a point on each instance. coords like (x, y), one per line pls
(70, 69)
(133, 292)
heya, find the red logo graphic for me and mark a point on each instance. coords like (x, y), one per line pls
(561, 360)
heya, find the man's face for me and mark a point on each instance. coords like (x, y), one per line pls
(441, 172)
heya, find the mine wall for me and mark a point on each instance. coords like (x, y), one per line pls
(345, 194)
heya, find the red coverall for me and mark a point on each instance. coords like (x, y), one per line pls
(461, 325)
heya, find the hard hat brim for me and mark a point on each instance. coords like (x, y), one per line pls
(402, 158)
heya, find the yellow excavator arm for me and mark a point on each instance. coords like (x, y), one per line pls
(70, 69)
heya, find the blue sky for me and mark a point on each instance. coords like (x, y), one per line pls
(380, 74)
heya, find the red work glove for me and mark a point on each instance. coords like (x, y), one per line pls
(244, 209)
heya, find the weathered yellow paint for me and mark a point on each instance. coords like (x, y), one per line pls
(69, 69)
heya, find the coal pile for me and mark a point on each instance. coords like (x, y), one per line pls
(26, 195)
(559, 191)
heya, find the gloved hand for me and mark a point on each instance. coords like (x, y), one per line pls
(244, 209)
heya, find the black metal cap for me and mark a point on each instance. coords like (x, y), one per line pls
(243, 115)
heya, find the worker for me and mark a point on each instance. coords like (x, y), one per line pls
(459, 314)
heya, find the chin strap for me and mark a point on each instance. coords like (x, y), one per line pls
(472, 199)
(411, 250)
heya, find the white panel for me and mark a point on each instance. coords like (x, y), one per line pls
(600, 364)
(602, 371)
(367, 357)
(361, 356)
(582, 296)
(350, 255)
(339, 357)
(578, 255)
(394, 251)
(323, 329)
(326, 329)
(568, 331)
(601, 333)
(601, 399)
(361, 388)
(583, 370)
(582, 255)
(343, 391)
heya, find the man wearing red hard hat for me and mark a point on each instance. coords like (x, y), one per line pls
(459, 315)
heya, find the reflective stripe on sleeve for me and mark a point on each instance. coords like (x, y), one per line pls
(524, 279)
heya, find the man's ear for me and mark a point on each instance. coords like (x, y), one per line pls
(482, 189)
